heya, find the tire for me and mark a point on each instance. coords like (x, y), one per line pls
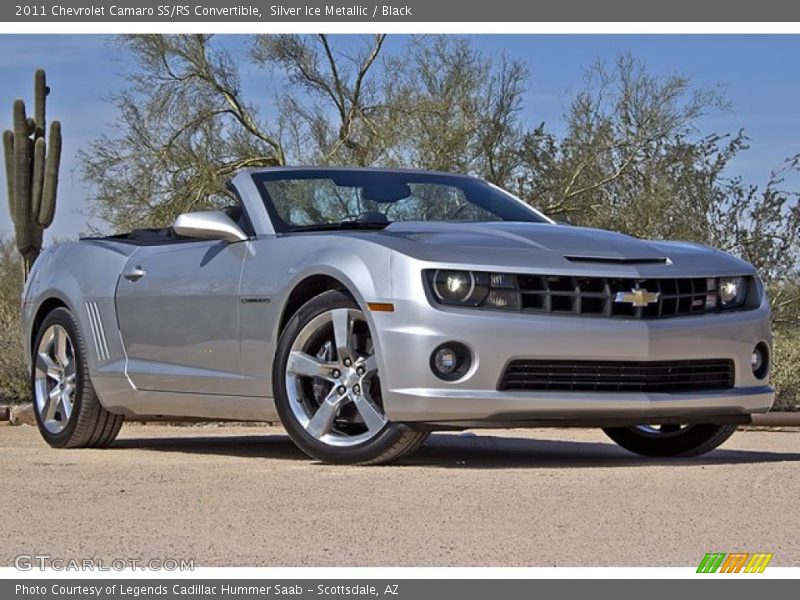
(68, 412)
(671, 440)
(326, 387)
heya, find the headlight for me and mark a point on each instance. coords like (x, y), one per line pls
(732, 291)
(472, 288)
(460, 288)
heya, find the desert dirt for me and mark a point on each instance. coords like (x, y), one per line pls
(237, 495)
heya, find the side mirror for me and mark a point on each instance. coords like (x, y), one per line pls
(208, 225)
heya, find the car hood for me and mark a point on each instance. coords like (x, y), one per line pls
(548, 245)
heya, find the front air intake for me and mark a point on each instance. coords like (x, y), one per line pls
(618, 376)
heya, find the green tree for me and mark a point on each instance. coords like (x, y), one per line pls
(631, 157)
(461, 109)
(13, 371)
(184, 128)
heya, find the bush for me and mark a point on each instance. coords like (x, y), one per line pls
(13, 371)
(786, 369)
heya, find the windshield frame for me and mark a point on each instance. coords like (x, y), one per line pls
(260, 178)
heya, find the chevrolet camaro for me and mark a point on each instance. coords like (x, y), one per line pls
(365, 308)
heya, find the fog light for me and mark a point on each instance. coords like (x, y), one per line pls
(451, 361)
(759, 360)
(445, 360)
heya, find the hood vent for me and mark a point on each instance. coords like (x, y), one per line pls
(610, 260)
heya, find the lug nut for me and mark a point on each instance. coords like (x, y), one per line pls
(347, 362)
(341, 389)
(336, 374)
(356, 389)
(360, 370)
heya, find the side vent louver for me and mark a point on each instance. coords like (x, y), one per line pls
(98, 333)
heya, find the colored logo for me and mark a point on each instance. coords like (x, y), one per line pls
(737, 562)
(638, 297)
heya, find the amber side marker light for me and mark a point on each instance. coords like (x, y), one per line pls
(380, 306)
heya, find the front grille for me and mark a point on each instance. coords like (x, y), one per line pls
(596, 296)
(618, 376)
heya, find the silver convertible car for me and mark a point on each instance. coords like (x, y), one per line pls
(365, 308)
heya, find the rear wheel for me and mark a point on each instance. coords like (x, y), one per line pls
(671, 440)
(68, 412)
(327, 388)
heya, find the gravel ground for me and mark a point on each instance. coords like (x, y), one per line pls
(238, 495)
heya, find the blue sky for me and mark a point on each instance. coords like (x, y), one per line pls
(758, 74)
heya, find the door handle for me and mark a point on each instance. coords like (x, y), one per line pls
(135, 274)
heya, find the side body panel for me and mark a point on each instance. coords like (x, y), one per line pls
(179, 320)
(83, 276)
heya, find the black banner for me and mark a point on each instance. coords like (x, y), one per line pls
(403, 589)
(264, 11)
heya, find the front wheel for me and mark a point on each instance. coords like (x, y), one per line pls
(671, 440)
(327, 389)
(68, 411)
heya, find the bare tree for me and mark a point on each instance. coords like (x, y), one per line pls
(184, 128)
(336, 98)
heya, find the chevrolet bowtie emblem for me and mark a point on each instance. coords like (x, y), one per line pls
(637, 297)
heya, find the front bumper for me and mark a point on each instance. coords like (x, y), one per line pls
(576, 408)
(412, 393)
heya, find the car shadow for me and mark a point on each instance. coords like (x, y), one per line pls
(243, 446)
(466, 450)
(488, 452)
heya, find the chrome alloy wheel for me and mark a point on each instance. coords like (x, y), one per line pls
(54, 379)
(332, 379)
(661, 431)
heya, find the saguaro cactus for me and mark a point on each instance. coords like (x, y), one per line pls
(32, 164)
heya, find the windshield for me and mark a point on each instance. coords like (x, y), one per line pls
(300, 200)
